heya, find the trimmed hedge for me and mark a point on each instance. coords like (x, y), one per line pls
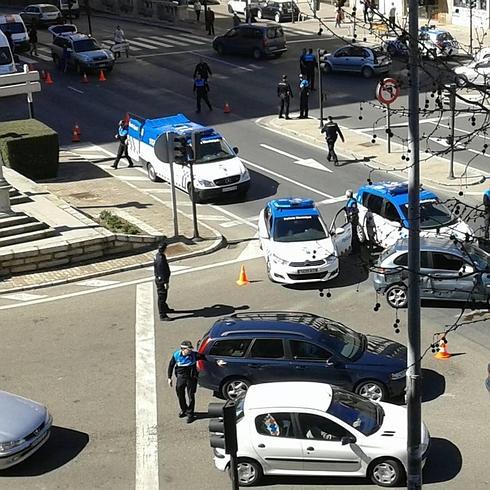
(30, 147)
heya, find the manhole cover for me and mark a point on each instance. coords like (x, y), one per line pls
(83, 195)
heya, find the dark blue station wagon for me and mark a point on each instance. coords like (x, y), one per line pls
(261, 347)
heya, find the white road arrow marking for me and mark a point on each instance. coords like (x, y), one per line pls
(306, 162)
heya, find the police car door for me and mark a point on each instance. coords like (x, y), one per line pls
(341, 233)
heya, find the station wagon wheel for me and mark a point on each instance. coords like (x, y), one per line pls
(328, 68)
(367, 72)
(257, 54)
(386, 473)
(277, 17)
(235, 388)
(372, 390)
(249, 472)
(361, 236)
(396, 296)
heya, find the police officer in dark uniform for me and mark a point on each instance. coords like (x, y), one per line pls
(304, 93)
(309, 61)
(285, 94)
(122, 136)
(184, 361)
(201, 89)
(352, 215)
(332, 130)
(202, 68)
(486, 203)
(162, 279)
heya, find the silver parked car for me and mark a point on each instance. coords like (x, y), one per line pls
(449, 271)
(24, 427)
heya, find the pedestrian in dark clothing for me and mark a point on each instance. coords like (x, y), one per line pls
(202, 68)
(236, 20)
(309, 60)
(486, 203)
(10, 40)
(285, 94)
(332, 130)
(304, 93)
(184, 362)
(122, 136)
(209, 21)
(33, 39)
(352, 215)
(365, 11)
(302, 65)
(162, 278)
(201, 89)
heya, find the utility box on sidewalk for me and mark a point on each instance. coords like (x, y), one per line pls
(30, 147)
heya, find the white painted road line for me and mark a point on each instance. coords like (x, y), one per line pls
(75, 90)
(23, 296)
(305, 162)
(157, 43)
(95, 283)
(333, 200)
(146, 477)
(218, 60)
(141, 45)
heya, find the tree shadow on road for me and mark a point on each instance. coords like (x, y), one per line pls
(209, 311)
(62, 446)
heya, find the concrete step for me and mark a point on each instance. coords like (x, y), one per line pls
(27, 237)
(22, 229)
(14, 220)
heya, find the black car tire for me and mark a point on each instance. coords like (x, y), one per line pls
(367, 72)
(233, 384)
(257, 54)
(152, 175)
(259, 14)
(361, 236)
(372, 390)
(396, 296)
(249, 472)
(386, 472)
(277, 55)
(56, 60)
(328, 68)
(220, 49)
(277, 17)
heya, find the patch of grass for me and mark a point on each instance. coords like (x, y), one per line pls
(116, 224)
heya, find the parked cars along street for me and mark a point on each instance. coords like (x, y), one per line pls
(363, 58)
(449, 271)
(383, 214)
(41, 14)
(314, 429)
(240, 6)
(474, 73)
(435, 42)
(257, 40)
(24, 427)
(259, 347)
(297, 245)
(17, 28)
(278, 10)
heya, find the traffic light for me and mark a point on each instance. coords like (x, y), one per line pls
(180, 149)
(222, 428)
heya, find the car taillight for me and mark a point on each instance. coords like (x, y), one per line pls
(201, 348)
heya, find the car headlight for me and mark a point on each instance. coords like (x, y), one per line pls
(330, 259)
(399, 374)
(278, 260)
(7, 446)
(205, 183)
(245, 175)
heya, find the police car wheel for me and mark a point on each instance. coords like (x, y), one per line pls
(386, 473)
(249, 472)
(234, 388)
(396, 296)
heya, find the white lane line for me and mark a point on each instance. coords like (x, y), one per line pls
(142, 45)
(146, 477)
(152, 42)
(23, 296)
(172, 53)
(45, 57)
(305, 162)
(222, 61)
(252, 250)
(184, 38)
(333, 200)
(75, 89)
(131, 177)
(109, 43)
(95, 283)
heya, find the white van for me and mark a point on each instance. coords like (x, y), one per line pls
(7, 64)
(65, 10)
(17, 28)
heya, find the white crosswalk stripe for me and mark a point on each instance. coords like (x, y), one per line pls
(150, 42)
(140, 44)
(186, 38)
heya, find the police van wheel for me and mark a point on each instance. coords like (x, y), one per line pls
(249, 472)
(152, 175)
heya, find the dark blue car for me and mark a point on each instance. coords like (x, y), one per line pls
(260, 347)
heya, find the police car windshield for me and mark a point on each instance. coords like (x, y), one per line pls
(356, 411)
(85, 45)
(5, 56)
(299, 229)
(433, 214)
(13, 27)
(212, 150)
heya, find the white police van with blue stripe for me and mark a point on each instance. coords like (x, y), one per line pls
(217, 169)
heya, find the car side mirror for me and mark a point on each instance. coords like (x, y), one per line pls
(339, 231)
(235, 149)
(348, 440)
(466, 269)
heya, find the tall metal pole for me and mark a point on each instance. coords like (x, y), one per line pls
(471, 27)
(414, 405)
(171, 154)
(388, 126)
(452, 106)
(320, 86)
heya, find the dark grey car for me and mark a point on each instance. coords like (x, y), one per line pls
(24, 427)
(449, 271)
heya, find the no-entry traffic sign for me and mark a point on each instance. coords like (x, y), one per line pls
(387, 91)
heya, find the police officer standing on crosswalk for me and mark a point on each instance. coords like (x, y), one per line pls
(285, 94)
(304, 93)
(332, 130)
(201, 89)
(122, 136)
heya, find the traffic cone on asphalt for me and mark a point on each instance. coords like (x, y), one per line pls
(102, 77)
(48, 79)
(442, 353)
(242, 278)
(227, 108)
(84, 78)
(43, 75)
(75, 135)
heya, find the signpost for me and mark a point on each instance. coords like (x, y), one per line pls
(387, 91)
(24, 82)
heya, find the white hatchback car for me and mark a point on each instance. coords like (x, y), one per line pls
(297, 245)
(314, 429)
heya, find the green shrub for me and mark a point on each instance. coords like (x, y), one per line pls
(30, 148)
(116, 224)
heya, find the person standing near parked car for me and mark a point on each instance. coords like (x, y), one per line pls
(285, 94)
(310, 63)
(33, 39)
(197, 9)
(209, 20)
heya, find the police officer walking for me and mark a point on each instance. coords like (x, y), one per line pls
(202, 68)
(122, 136)
(304, 93)
(184, 361)
(309, 60)
(201, 89)
(486, 203)
(162, 278)
(285, 94)
(332, 130)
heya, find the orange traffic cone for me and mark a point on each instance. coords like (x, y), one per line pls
(102, 77)
(443, 353)
(84, 78)
(75, 135)
(227, 108)
(48, 79)
(242, 278)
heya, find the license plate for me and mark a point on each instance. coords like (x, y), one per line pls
(228, 189)
(272, 48)
(307, 271)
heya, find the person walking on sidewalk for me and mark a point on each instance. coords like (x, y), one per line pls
(202, 68)
(33, 39)
(285, 94)
(184, 363)
(304, 93)
(162, 273)
(365, 11)
(122, 136)
(209, 21)
(201, 89)
(339, 15)
(332, 130)
(197, 9)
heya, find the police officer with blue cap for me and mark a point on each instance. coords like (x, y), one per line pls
(304, 93)
(184, 362)
(122, 136)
